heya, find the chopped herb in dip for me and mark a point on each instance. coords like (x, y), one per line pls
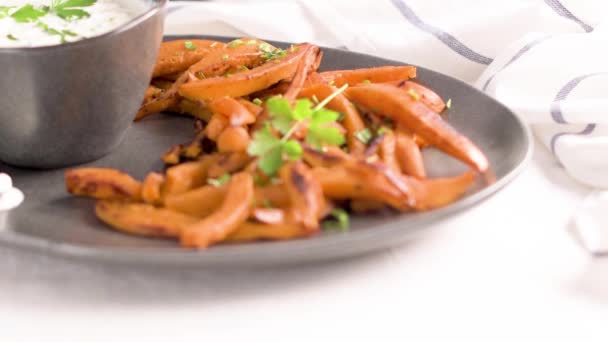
(29, 23)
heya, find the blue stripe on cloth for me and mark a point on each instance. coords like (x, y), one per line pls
(557, 115)
(519, 53)
(443, 36)
(560, 9)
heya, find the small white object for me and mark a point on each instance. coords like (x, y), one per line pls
(591, 223)
(10, 197)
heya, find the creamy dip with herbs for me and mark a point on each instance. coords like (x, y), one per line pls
(29, 23)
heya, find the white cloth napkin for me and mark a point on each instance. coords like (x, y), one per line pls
(545, 59)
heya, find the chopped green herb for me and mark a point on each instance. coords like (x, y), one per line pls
(227, 75)
(252, 42)
(243, 68)
(225, 57)
(265, 47)
(294, 48)
(383, 130)
(190, 45)
(29, 13)
(272, 150)
(200, 75)
(69, 33)
(68, 9)
(219, 181)
(257, 101)
(415, 96)
(365, 135)
(235, 43)
(366, 82)
(340, 221)
(11, 37)
(332, 82)
(448, 104)
(4, 11)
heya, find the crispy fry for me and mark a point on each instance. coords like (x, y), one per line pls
(400, 106)
(269, 215)
(151, 188)
(200, 202)
(409, 155)
(186, 176)
(176, 56)
(275, 195)
(309, 63)
(305, 194)
(254, 109)
(246, 82)
(373, 75)
(236, 113)
(436, 193)
(142, 219)
(102, 184)
(233, 212)
(387, 152)
(427, 96)
(226, 163)
(233, 139)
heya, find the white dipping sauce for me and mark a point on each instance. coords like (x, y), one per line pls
(51, 29)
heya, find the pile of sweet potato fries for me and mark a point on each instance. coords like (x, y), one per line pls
(280, 150)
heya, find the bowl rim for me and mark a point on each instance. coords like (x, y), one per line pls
(158, 6)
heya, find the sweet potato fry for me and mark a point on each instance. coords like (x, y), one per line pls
(175, 56)
(187, 176)
(352, 119)
(226, 163)
(236, 113)
(418, 117)
(269, 215)
(151, 188)
(409, 155)
(366, 206)
(254, 109)
(216, 126)
(387, 151)
(427, 96)
(142, 219)
(200, 202)
(246, 82)
(233, 139)
(438, 192)
(373, 75)
(305, 193)
(276, 195)
(233, 212)
(308, 63)
(102, 183)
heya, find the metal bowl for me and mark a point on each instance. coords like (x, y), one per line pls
(73, 103)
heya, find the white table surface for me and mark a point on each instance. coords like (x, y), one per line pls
(506, 270)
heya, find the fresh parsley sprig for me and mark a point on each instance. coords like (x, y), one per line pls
(71, 9)
(272, 150)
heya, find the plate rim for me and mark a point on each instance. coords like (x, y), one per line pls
(292, 248)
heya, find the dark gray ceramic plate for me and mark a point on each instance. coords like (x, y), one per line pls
(53, 222)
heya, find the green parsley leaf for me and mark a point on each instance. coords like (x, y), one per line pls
(235, 43)
(281, 113)
(252, 42)
(271, 162)
(325, 116)
(219, 181)
(70, 9)
(365, 135)
(72, 3)
(319, 135)
(11, 37)
(72, 13)
(302, 110)
(366, 82)
(257, 101)
(292, 149)
(340, 221)
(190, 45)
(448, 104)
(263, 142)
(69, 33)
(4, 11)
(28, 13)
(225, 57)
